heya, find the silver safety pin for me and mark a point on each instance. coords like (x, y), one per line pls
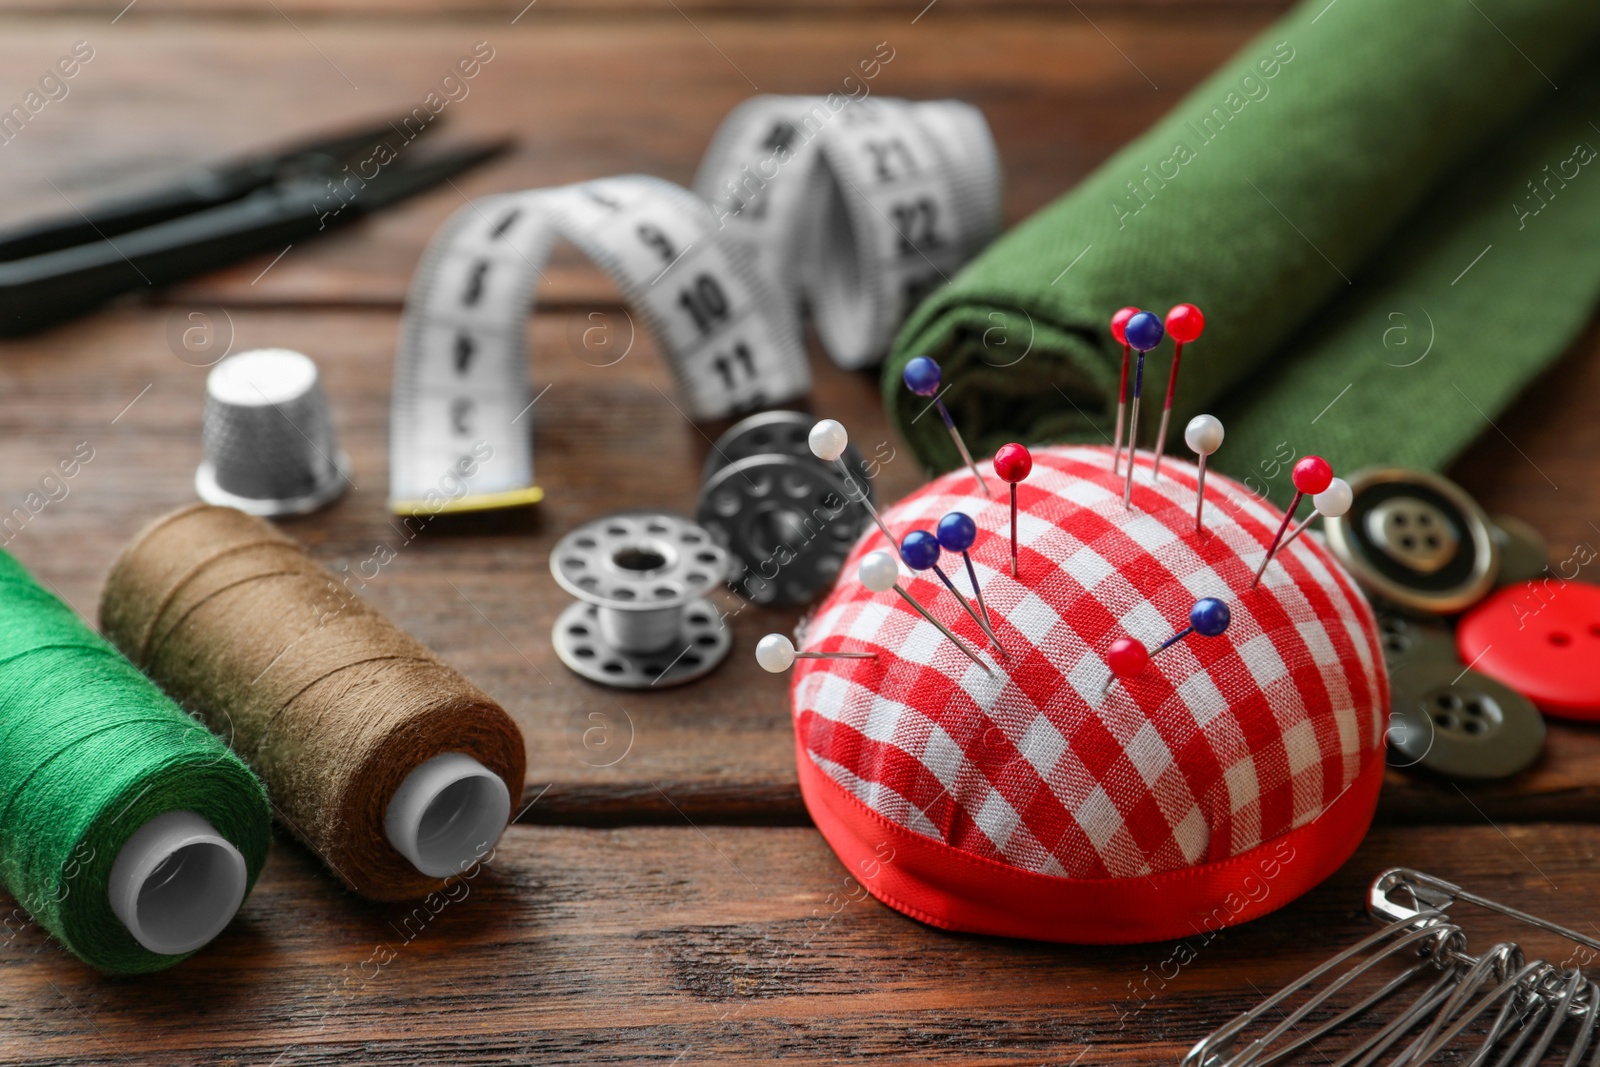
(1521, 1007)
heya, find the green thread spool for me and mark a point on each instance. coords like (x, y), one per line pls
(126, 829)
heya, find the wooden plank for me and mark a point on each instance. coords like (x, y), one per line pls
(586, 97)
(666, 945)
(478, 589)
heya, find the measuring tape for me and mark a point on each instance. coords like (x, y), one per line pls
(864, 211)
(857, 210)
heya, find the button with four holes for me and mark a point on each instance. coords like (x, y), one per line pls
(1542, 639)
(1459, 723)
(1416, 540)
(1413, 532)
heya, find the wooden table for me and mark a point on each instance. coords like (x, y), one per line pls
(664, 898)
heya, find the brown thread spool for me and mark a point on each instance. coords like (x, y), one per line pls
(335, 707)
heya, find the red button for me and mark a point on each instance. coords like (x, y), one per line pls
(1542, 638)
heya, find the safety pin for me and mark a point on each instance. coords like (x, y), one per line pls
(1523, 1006)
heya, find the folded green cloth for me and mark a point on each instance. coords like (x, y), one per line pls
(1389, 213)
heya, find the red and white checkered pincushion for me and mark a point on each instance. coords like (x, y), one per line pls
(1232, 775)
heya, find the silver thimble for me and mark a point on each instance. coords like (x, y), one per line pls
(268, 436)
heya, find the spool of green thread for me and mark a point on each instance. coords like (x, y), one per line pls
(93, 754)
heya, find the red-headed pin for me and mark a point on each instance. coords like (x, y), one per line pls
(1126, 657)
(1311, 476)
(1012, 464)
(1203, 435)
(1329, 504)
(922, 377)
(1119, 323)
(776, 653)
(1143, 332)
(880, 572)
(1184, 324)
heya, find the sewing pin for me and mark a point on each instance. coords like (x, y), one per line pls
(1184, 324)
(880, 572)
(828, 439)
(922, 377)
(1143, 332)
(920, 550)
(956, 533)
(1312, 475)
(1203, 435)
(1118, 322)
(776, 653)
(1012, 464)
(1126, 657)
(1328, 504)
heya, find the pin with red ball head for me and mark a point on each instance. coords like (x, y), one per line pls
(1012, 464)
(828, 439)
(1328, 504)
(1203, 435)
(1126, 657)
(956, 532)
(1184, 324)
(1311, 475)
(1143, 332)
(1119, 322)
(880, 572)
(922, 377)
(920, 549)
(776, 653)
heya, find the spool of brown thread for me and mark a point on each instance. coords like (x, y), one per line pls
(348, 720)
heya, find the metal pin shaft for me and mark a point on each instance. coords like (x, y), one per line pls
(1122, 412)
(962, 645)
(978, 592)
(1282, 526)
(850, 482)
(961, 446)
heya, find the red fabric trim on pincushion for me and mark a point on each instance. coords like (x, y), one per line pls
(945, 887)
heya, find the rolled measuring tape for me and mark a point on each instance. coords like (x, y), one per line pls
(860, 207)
(864, 210)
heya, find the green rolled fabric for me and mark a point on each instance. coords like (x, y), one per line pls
(1389, 213)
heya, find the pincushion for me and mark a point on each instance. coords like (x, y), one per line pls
(1229, 777)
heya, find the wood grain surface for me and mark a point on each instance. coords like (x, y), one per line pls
(711, 945)
(639, 923)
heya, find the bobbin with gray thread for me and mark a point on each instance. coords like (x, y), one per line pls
(787, 518)
(641, 619)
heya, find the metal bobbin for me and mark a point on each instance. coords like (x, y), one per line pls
(641, 619)
(787, 518)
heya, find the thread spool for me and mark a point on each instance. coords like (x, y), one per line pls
(787, 518)
(126, 829)
(347, 719)
(640, 619)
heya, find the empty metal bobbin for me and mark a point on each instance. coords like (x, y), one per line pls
(641, 618)
(787, 518)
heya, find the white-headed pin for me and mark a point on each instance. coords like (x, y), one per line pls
(776, 653)
(1203, 435)
(828, 440)
(880, 572)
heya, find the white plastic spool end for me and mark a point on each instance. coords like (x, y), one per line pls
(447, 814)
(176, 883)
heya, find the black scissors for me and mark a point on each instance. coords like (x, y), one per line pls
(55, 269)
